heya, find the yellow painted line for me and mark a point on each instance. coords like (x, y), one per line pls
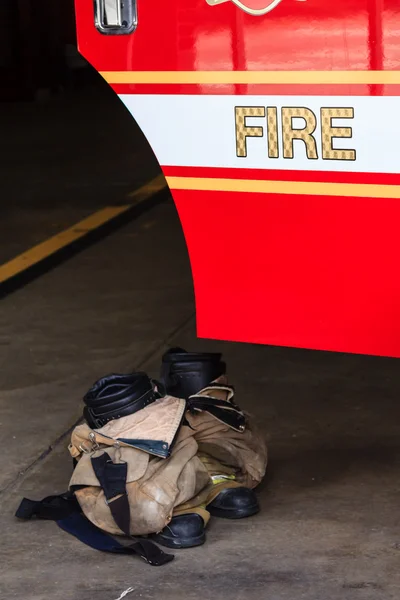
(259, 77)
(50, 246)
(149, 189)
(358, 190)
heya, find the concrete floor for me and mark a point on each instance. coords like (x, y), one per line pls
(62, 159)
(329, 526)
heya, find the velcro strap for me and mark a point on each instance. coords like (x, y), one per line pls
(224, 411)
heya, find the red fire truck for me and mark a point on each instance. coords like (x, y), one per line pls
(276, 124)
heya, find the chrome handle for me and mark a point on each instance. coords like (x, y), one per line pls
(115, 17)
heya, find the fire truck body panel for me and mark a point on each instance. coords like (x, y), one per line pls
(278, 136)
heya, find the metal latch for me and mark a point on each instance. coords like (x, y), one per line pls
(115, 17)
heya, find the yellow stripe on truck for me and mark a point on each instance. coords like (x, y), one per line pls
(255, 77)
(354, 190)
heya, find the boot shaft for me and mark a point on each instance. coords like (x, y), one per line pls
(186, 373)
(116, 396)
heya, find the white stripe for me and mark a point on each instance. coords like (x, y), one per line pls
(199, 131)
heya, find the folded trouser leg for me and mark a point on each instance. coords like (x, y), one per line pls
(190, 516)
(236, 463)
(192, 508)
(197, 505)
(221, 428)
(229, 453)
(221, 475)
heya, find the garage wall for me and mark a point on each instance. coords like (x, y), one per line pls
(9, 54)
(33, 34)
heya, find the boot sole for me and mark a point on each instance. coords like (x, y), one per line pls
(179, 542)
(226, 513)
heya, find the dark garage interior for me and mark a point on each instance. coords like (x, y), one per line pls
(329, 525)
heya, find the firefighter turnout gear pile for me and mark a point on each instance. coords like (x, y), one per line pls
(154, 460)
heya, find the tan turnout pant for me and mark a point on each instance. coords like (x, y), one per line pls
(207, 456)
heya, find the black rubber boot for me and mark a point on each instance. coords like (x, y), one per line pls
(116, 396)
(184, 531)
(234, 503)
(186, 373)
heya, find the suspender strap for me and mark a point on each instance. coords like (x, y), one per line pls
(51, 508)
(80, 527)
(112, 478)
(65, 510)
